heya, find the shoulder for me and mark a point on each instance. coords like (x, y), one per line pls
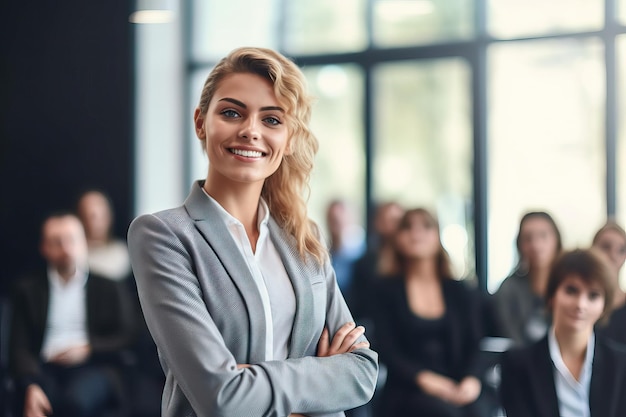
(171, 220)
(612, 349)
(30, 281)
(512, 285)
(526, 356)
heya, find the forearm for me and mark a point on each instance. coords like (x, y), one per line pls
(314, 385)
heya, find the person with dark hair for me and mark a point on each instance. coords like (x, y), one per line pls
(236, 284)
(428, 327)
(108, 256)
(518, 303)
(611, 241)
(570, 371)
(69, 327)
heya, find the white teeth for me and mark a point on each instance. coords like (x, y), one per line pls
(247, 154)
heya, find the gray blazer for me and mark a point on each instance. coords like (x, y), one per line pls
(206, 316)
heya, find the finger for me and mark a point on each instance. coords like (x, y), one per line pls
(340, 335)
(360, 345)
(351, 338)
(323, 344)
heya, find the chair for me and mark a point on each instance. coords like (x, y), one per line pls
(491, 349)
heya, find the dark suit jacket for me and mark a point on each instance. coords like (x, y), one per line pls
(394, 334)
(528, 390)
(110, 322)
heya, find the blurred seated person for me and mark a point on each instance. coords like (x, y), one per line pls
(518, 304)
(68, 328)
(611, 240)
(571, 371)
(380, 257)
(108, 256)
(428, 328)
(346, 242)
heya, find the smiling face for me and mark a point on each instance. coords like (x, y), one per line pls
(244, 131)
(577, 304)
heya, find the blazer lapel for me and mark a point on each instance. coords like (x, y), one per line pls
(301, 334)
(603, 383)
(41, 301)
(217, 235)
(542, 374)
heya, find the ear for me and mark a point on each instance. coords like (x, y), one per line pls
(198, 122)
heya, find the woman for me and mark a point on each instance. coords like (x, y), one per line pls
(570, 372)
(236, 286)
(108, 256)
(428, 327)
(611, 240)
(518, 303)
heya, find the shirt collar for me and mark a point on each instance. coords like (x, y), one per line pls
(557, 359)
(263, 213)
(79, 278)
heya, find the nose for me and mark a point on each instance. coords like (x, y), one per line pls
(250, 129)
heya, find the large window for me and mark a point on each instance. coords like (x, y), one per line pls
(338, 125)
(621, 139)
(546, 141)
(478, 109)
(401, 22)
(515, 18)
(422, 153)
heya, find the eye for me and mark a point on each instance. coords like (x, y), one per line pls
(594, 295)
(571, 290)
(229, 113)
(272, 121)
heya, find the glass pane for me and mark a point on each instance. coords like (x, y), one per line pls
(198, 162)
(621, 137)
(546, 142)
(513, 18)
(423, 146)
(323, 26)
(219, 27)
(337, 122)
(402, 22)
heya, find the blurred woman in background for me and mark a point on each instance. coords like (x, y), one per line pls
(518, 303)
(611, 240)
(570, 372)
(428, 327)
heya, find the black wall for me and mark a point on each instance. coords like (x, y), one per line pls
(66, 123)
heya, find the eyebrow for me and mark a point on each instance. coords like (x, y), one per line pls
(241, 104)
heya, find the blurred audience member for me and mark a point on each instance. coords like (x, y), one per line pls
(68, 328)
(380, 257)
(346, 242)
(108, 256)
(611, 240)
(570, 372)
(428, 328)
(518, 303)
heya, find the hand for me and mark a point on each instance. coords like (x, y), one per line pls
(36, 403)
(468, 390)
(437, 385)
(72, 356)
(344, 341)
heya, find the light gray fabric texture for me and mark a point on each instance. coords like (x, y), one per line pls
(205, 315)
